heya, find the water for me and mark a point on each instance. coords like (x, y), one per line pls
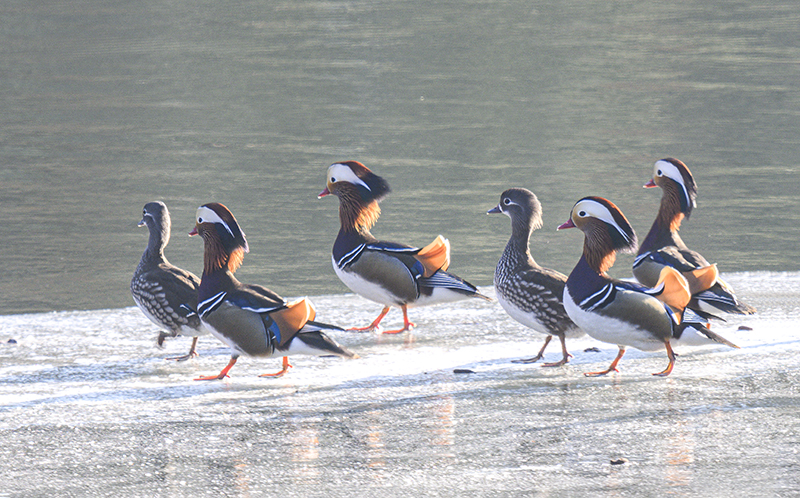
(108, 105)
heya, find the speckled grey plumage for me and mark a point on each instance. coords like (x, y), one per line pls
(530, 294)
(166, 294)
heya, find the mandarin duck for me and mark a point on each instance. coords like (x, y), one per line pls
(388, 273)
(663, 246)
(621, 312)
(251, 319)
(166, 294)
(529, 293)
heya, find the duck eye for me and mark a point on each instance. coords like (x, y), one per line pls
(200, 220)
(333, 180)
(506, 201)
(582, 214)
(659, 173)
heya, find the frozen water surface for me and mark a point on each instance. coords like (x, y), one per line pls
(88, 405)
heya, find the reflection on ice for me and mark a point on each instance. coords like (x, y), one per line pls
(679, 455)
(375, 446)
(442, 421)
(88, 393)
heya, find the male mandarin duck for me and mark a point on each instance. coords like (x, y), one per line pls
(166, 294)
(388, 273)
(251, 319)
(619, 312)
(664, 247)
(529, 293)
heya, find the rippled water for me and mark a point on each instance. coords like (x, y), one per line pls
(108, 105)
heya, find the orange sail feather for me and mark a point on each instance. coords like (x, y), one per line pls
(435, 256)
(292, 318)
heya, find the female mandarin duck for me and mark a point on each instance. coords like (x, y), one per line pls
(166, 294)
(625, 313)
(529, 293)
(251, 319)
(388, 273)
(664, 247)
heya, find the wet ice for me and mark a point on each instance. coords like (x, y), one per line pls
(89, 394)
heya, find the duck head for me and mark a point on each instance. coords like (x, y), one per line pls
(359, 190)
(606, 231)
(225, 243)
(524, 209)
(156, 216)
(679, 190)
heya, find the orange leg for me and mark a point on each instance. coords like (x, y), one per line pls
(564, 359)
(611, 368)
(407, 325)
(285, 369)
(223, 373)
(539, 356)
(374, 325)
(191, 354)
(671, 356)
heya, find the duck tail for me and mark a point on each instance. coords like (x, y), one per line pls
(694, 330)
(720, 299)
(315, 339)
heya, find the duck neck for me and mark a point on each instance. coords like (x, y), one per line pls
(598, 256)
(216, 257)
(159, 238)
(521, 235)
(585, 280)
(664, 231)
(357, 216)
(356, 220)
(518, 250)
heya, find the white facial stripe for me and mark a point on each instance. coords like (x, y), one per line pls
(340, 172)
(599, 211)
(207, 215)
(671, 171)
